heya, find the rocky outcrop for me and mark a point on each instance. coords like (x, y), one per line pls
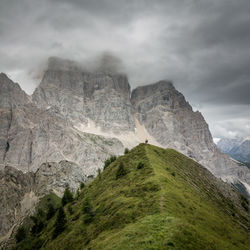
(31, 135)
(20, 191)
(15, 187)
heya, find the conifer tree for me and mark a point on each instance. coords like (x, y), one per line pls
(59, 223)
(120, 171)
(21, 234)
(88, 211)
(67, 196)
(51, 211)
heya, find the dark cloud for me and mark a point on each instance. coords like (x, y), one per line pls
(203, 46)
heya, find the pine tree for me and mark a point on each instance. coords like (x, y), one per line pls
(59, 223)
(120, 171)
(99, 173)
(88, 211)
(21, 234)
(67, 196)
(51, 211)
(126, 151)
(82, 185)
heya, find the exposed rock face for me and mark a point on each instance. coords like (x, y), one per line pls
(169, 118)
(30, 135)
(79, 96)
(53, 177)
(21, 191)
(14, 185)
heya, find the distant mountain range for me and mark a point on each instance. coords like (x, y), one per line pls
(239, 148)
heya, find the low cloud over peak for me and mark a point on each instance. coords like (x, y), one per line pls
(202, 46)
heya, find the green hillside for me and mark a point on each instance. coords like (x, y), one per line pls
(150, 198)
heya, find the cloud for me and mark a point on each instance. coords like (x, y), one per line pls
(203, 46)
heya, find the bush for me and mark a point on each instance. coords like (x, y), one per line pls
(21, 234)
(51, 211)
(107, 163)
(67, 196)
(120, 171)
(59, 223)
(70, 210)
(82, 185)
(99, 173)
(88, 211)
(111, 159)
(140, 165)
(126, 151)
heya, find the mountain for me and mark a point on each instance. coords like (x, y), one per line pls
(226, 144)
(150, 198)
(30, 135)
(84, 117)
(238, 149)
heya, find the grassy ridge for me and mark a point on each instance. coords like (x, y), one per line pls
(169, 202)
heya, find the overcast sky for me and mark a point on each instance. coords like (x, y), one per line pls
(203, 46)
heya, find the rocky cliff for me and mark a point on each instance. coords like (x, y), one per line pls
(169, 118)
(20, 191)
(82, 97)
(31, 134)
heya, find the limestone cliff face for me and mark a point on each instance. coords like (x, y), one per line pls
(169, 118)
(31, 135)
(81, 97)
(14, 185)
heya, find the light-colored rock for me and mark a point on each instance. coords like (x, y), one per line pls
(169, 118)
(20, 191)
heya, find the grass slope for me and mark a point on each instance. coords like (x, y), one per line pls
(169, 202)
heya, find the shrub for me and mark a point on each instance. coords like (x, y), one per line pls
(126, 151)
(38, 224)
(21, 234)
(59, 223)
(111, 159)
(67, 196)
(51, 211)
(99, 173)
(140, 165)
(88, 211)
(70, 210)
(120, 171)
(82, 185)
